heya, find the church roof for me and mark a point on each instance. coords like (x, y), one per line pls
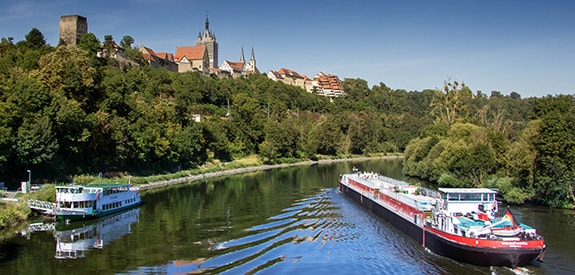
(236, 66)
(190, 52)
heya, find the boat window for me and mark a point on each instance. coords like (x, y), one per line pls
(455, 197)
(473, 197)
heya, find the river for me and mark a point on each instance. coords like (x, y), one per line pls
(283, 221)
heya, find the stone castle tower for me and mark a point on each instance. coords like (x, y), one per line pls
(208, 39)
(72, 27)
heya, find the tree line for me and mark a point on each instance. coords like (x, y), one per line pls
(65, 112)
(523, 147)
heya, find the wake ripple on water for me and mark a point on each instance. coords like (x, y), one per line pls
(313, 221)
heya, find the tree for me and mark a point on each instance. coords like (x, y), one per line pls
(126, 42)
(248, 117)
(90, 43)
(356, 89)
(555, 162)
(35, 39)
(68, 69)
(35, 142)
(108, 40)
(359, 135)
(448, 104)
(520, 162)
(280, 141)
(329, 136)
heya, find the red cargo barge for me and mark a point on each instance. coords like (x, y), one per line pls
(459, 223)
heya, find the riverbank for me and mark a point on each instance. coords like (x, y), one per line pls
(242, 170)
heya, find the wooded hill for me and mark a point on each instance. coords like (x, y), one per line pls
(64, 112)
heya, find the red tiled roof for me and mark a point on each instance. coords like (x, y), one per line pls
(164, 55)
(329, 81)
(147, 53)
(148, 57)
(288, 72)
(190, 52)
(236, 66)
(150, 51)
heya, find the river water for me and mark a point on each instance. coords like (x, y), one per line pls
(285, 221)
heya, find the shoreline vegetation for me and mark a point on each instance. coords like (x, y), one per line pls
(15, 214)
(242, 170)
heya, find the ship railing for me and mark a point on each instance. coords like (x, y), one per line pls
(401, 198)
(393, 181)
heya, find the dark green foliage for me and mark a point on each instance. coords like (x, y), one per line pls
(35, 39)
(89, 43)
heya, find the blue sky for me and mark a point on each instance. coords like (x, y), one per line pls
(524, 46)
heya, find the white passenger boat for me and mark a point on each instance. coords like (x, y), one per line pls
(78, 202)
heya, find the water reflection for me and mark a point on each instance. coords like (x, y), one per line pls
(73, 240)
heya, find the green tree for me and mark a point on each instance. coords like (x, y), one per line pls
(248, 117)
(127, 42)
(521, 165)
(69, 70)
(89, 43)
(35, 142)
(35, 39)
(356, 89)
(280, 141)
(555, 178)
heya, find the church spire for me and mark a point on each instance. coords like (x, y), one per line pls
(253, 55)
(207, 22)
(242, 57)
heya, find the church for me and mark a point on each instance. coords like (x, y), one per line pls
(239, 68)
(203, 57)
